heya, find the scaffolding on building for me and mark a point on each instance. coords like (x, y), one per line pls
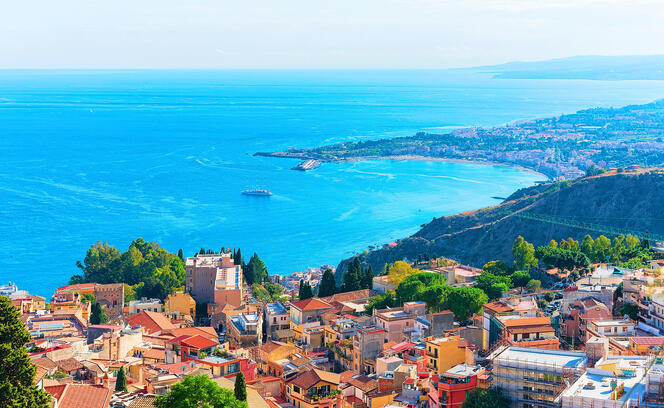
(533, 382)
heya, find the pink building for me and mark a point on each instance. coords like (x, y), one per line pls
(399, 320)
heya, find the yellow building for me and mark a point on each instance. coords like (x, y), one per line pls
(180, 304)
(269, 353)
(313, 389)
(645, 345)
(444, 353)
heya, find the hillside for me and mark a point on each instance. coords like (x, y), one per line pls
(631, 201)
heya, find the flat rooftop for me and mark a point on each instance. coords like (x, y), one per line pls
(520, 355)
(595, 383)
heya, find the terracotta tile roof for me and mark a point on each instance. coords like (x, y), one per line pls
(44, 362)
(349, 296)
(82, 396)
(346, 376)
(528, 321)
(311, 377)
(498, 307)
(199, 342)
(647, 341)
(271, 345)
(205, 331)
(363, 383)
(151, 321)
(311, 304)
(155, 353)
(143, 402)
(69, 365)
(39, 374)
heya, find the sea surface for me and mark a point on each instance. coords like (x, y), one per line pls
(89, 156)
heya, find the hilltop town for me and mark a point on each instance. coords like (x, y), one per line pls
(567, 324)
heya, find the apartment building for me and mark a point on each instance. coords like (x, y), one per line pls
(398, 321)
(145, 305)
(180, 304)
(449, 389)
(277, 325)
(535, 332)
(367, 345)
(534, 378)
(245, 330)
(443, 353)
(214, 279)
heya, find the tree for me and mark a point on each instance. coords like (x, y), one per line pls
(533, 285)
(17, 374)
(237, 258)
(587, 246)
(255, 270)
(327, 286)
(553, 243)
(198, 391)
(121, 381)
(399, 271)
(240, 387)
(367, 278)
(180, 254)
(629, 309)
(494, 286)
(602, 249)
(498, 268)
(524, 254)
(465, 301)
(305, 291)
(353, 276)
(489, 398)
(520, 279)
(380, 302)
(549, 296)
(98, 314)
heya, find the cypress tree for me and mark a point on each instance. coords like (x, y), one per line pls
(367, 278)
(237, 257)
(353, 276)
(180, 255)
(97, 314)
(240, 387)
(327, 285)
(306, 292)
(121, 381)
(17, 373)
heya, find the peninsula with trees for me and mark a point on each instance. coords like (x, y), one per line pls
(561, 147)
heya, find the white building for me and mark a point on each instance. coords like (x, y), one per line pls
(614, 382)
(145, 305)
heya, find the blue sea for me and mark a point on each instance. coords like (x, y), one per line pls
(89, 156)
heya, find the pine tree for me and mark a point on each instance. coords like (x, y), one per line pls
(240, 387)
(121, 381)
(327, 285)
(16, 372)
(97, 314)
(180, 254)
(202, 251)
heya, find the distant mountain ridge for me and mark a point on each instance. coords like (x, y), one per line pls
(631, 201)
(594, 67)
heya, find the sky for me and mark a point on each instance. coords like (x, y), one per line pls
(389, 34)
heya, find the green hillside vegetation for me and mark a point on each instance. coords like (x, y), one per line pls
(630, 202)
(148, 269)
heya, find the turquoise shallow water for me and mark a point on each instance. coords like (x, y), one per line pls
(114, 155)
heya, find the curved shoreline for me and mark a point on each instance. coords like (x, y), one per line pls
(448, 160)
(409, 157)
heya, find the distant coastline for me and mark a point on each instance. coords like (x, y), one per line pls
(405, 157)
(560, 147)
